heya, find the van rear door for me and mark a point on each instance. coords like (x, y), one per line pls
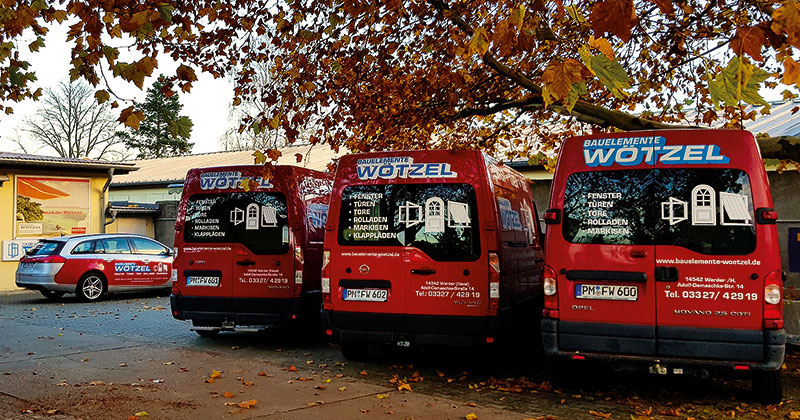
(706, 273)
(607, 293)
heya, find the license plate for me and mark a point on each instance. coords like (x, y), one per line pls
(202, 281)
(28, 266)
(365, 295)
(606, 292)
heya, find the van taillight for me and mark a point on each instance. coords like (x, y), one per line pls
(325, 285)
(773, 301)
(494, 281)
(298, 269)
(550, 293)
(552, 216)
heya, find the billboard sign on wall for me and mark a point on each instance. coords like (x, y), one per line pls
(51, 206)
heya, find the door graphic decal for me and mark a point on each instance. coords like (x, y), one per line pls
(434, 215)
(704, 205)
(252, 217)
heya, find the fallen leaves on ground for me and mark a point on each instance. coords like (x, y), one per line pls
(471, 416)
(600, 414)
(228, 395)
(382, 396)
(292, 368)
(215, 374)
(262, 373)
(248, 404)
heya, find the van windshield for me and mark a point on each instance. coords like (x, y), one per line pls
(440, 220)
(709, 211)
(257, 220)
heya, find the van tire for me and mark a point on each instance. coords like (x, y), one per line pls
(767, 386)
(91, 287)
(354, 350)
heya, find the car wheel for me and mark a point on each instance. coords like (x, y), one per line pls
(51, 294)
(354, 350)
(91, 287)
(767, 386)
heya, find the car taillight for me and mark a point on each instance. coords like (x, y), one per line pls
(52, 259)
(550, 293)
(494, 281)
(325, 285)
(298, 269)
(773, 302)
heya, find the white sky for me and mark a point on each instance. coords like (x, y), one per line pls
(207, 105)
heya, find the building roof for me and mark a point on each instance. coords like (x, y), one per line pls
(125, 207)
(781, 120)
(25, 161)
(164, 171)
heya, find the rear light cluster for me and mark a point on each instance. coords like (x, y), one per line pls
(325, 285)
(298, 269)
(773, 301)
(494, 281)
(53, 259)
(550, 294)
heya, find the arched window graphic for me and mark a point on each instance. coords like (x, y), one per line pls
(434, 215)
(251, 220)
(704, 205)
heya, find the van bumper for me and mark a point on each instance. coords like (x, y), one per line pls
(214, 311)
(414, 329)
(684, 347)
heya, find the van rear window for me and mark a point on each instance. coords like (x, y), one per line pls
(709, 211)
(257, 220)
(440, 220)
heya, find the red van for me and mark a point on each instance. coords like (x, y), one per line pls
(662, 250)
(249, 259)
(428, 247)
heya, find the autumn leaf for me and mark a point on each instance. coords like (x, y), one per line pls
(471, 416)
(101, 96)
(262, 373)
(559, 76)
(142, 414)
(479, 43)
(404, 386)
(749, 40)
(363, 372)
(786, 19)
(260, 157)
(228, 395)
(602, 45)
(131, 118)
(610, 72)
(738, 81)
(292, 368)
(791, 72)
(665, 6)
(248, 404)
(186, 73)
(215, 374)
(382, 396)
(617, 17)
(600, 414)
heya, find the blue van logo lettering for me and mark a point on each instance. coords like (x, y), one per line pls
(227, 180)
(401, 167)
(632, 151)
(131, 268)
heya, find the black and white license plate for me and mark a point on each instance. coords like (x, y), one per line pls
(365, 295)
(28, 265)
(202, 281)
(606, 292)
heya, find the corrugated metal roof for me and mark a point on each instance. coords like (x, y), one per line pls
(781, 121)
(8, 159)
(173, 170)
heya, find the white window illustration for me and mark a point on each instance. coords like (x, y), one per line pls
(526, 216)
(733, 210)
(237, 216)
(434, 215)
(269, 217)
(410, 214)
(458, 214)
(704, 205)
(251, 221)
(674, 210)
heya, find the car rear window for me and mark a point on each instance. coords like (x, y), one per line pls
(257, 220)
(44, 248)
(709, 211)
(440, 220)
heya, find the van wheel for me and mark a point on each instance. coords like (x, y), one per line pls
(767, 386)
(51, 294)
(354, 350)
(91, 287)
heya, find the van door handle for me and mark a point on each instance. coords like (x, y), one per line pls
(667, 274)
(639, 254)
(246, 262)
(423, 271)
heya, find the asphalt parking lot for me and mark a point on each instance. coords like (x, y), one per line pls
(126, 355)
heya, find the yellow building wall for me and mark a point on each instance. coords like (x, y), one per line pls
(143, 225)
(7, 216)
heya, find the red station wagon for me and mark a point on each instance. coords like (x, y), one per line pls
(92, 265)
(662, 251)
(428, 247)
